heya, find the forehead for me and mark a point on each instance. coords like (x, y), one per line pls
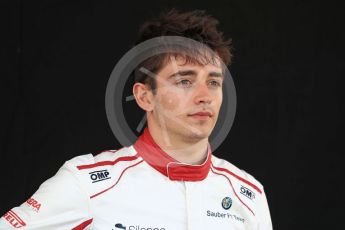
(178, 61)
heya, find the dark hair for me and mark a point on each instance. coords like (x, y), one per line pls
(196, 25)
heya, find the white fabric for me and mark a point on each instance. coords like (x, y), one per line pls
(132, 195)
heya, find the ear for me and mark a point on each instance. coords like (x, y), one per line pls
(143, 96)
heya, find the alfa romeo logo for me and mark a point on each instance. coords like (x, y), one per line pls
(226, 203)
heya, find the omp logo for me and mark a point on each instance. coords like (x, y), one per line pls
(14, 219)
(98, 176)
(247, 192)
(33, 204)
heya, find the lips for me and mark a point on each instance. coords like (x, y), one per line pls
(206, 114)
(202, 115)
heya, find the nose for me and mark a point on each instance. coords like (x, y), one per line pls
(202, 94)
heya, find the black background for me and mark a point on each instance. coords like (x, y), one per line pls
(57, 56)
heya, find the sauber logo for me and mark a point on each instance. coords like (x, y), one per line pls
(98, 176)
(247, 192)
(33, 204)
(14, 219)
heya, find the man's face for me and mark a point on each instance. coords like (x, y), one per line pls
(188, 99)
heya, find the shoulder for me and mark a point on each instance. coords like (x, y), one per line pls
(104, 158)
(222, 167)
(98, 172)
(247, 189)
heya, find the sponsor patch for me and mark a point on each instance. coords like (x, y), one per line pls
(226, 203)
(101, 175)
(247, 192)
(135, 227)
(120, 226)
(34, 204)
(12, 218)
(226, 215)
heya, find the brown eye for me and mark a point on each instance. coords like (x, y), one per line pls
(215, 83)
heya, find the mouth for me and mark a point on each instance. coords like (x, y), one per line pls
(201, 115)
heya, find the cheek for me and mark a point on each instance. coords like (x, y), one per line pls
(220, 98)
(170, 100)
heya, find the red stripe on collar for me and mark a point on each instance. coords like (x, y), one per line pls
(147, 148)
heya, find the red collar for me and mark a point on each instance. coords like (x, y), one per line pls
(168, 166)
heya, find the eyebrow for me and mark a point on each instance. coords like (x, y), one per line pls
(192, 72)
(215, 74)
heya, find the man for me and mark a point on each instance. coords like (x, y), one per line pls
(168, 179)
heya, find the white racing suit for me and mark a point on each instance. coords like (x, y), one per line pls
(140, 187)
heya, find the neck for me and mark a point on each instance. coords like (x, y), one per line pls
(193, 153)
